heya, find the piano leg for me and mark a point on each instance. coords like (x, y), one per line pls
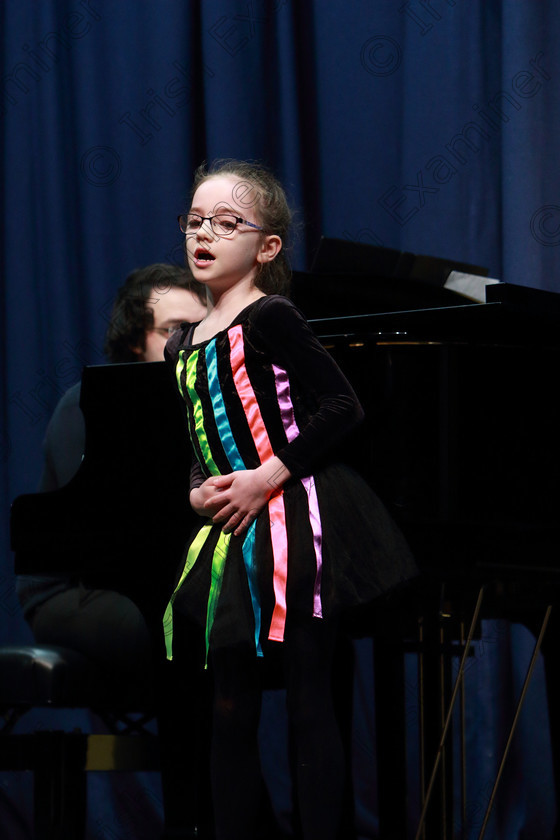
(434, 696)
(438, 697)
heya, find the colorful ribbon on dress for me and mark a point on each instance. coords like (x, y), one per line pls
(276, 507)
(291, 429)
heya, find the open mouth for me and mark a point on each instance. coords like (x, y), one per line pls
(201, 256)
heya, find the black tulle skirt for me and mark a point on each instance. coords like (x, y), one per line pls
(363, 556)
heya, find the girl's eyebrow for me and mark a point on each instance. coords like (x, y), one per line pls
(220, 206)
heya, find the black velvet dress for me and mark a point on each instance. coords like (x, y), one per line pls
(324, 543)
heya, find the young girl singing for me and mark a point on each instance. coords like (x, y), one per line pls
(290, 538)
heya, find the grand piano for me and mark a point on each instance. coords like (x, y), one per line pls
(460, 441)
(461, 409)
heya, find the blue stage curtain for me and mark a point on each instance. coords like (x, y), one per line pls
(423, 125)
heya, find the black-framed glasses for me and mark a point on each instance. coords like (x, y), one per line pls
(222, 224)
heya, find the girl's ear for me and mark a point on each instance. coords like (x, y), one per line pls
(270, 248)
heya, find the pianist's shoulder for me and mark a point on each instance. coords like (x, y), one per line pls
(64, 441)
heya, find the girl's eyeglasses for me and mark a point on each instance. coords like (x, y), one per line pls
(222, 224)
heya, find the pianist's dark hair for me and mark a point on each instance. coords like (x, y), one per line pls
(258, 187)
(132, 314)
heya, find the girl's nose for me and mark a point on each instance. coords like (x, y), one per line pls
(205, 231)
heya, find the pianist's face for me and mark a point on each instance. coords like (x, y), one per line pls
(170, 309)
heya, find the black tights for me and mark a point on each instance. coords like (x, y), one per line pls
(317, 753)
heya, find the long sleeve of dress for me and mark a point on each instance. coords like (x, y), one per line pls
(284, 330)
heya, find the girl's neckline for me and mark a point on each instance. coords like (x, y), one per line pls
(238, 317)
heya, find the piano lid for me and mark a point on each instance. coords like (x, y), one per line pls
(354, 277)
(513, 315)
(343, 255)
(366, 291)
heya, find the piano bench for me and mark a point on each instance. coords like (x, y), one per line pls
(33, 676)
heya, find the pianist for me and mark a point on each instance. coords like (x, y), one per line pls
(104, 625)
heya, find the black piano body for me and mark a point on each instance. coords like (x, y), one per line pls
(461, 442)
(462, 412)
(124, 518)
